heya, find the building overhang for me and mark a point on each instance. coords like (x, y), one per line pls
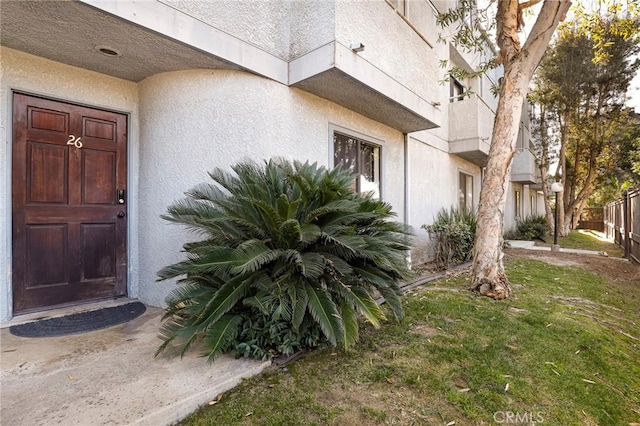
(523, 168)
(148, 37)
(337, 73)
(474, 150)
(524, 178)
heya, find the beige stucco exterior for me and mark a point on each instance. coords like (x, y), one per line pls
(194, 121)
(246, 79)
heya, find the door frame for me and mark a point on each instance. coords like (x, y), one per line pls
(132, 191)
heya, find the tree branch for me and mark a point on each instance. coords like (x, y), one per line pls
(528, 4)
(551, 13)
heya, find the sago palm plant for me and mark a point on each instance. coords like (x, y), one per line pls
(288, 256)
(453, 233)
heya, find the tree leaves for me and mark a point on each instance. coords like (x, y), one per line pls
(584, 118)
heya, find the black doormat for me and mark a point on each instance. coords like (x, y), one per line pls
(80, 323)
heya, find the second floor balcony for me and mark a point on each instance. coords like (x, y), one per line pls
(523, 168)
(470, 128)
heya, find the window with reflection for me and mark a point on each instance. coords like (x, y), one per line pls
(362, 158)
(465, 191)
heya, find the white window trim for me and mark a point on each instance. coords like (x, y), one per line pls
(365, 138)
(473, 190)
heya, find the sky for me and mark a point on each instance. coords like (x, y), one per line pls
(633, 94)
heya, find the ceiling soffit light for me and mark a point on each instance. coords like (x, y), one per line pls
(108, 51)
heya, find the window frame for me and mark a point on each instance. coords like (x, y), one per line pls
(534, 205)
(454, 83)
(518, 203)
(361, 139)
(463, 194)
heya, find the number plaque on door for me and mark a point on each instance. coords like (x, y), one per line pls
(74, 141)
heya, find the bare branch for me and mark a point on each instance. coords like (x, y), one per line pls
(551, 13)
(528, 4)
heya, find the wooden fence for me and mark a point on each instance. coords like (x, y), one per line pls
(622, 223)
(592, 218)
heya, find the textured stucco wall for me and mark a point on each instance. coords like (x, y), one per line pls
(470, 118)
(312, 25)
(194, 121)
(433, 185)
(423, 17)
(262, 23)
(38, 76)
(390, 44)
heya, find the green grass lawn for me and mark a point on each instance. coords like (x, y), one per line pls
(565, 350)
(587, 240)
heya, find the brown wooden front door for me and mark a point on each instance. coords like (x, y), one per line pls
(69, 203)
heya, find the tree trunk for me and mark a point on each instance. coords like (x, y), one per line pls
(544, 167)
(488, 269)
(576, 218)
(576, 208)
(576, 202)
(488, 273)
(548, 212)
(561, 170)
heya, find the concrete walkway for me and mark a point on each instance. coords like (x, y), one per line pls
(108, 377)
(530, 245)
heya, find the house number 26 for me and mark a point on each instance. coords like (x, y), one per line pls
(74, 141)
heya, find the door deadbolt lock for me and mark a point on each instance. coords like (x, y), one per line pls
(120, 214)
(120, 196)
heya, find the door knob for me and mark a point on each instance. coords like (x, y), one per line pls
(120, 214)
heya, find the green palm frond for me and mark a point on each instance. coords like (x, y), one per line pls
(207, 260)
(336, 207)
(206, 192)
(299, 302)
(309, 234)
(324, 312)
(392, 297)
(290, 233)
(252, 256)
(225, 179)
(286, 208)
(364, 303)
(287, 257)
(220, 337)
(283, 310)
(179, 329)
(373, 276)
(261, 302)
(175, 334)
(338, 265)
(350, 324)
(224, 299)
(313, 265)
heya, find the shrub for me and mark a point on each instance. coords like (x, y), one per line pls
(289, 257)
(453, 232)
(531, 227)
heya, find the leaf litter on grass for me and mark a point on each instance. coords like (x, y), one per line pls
(458, 357)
